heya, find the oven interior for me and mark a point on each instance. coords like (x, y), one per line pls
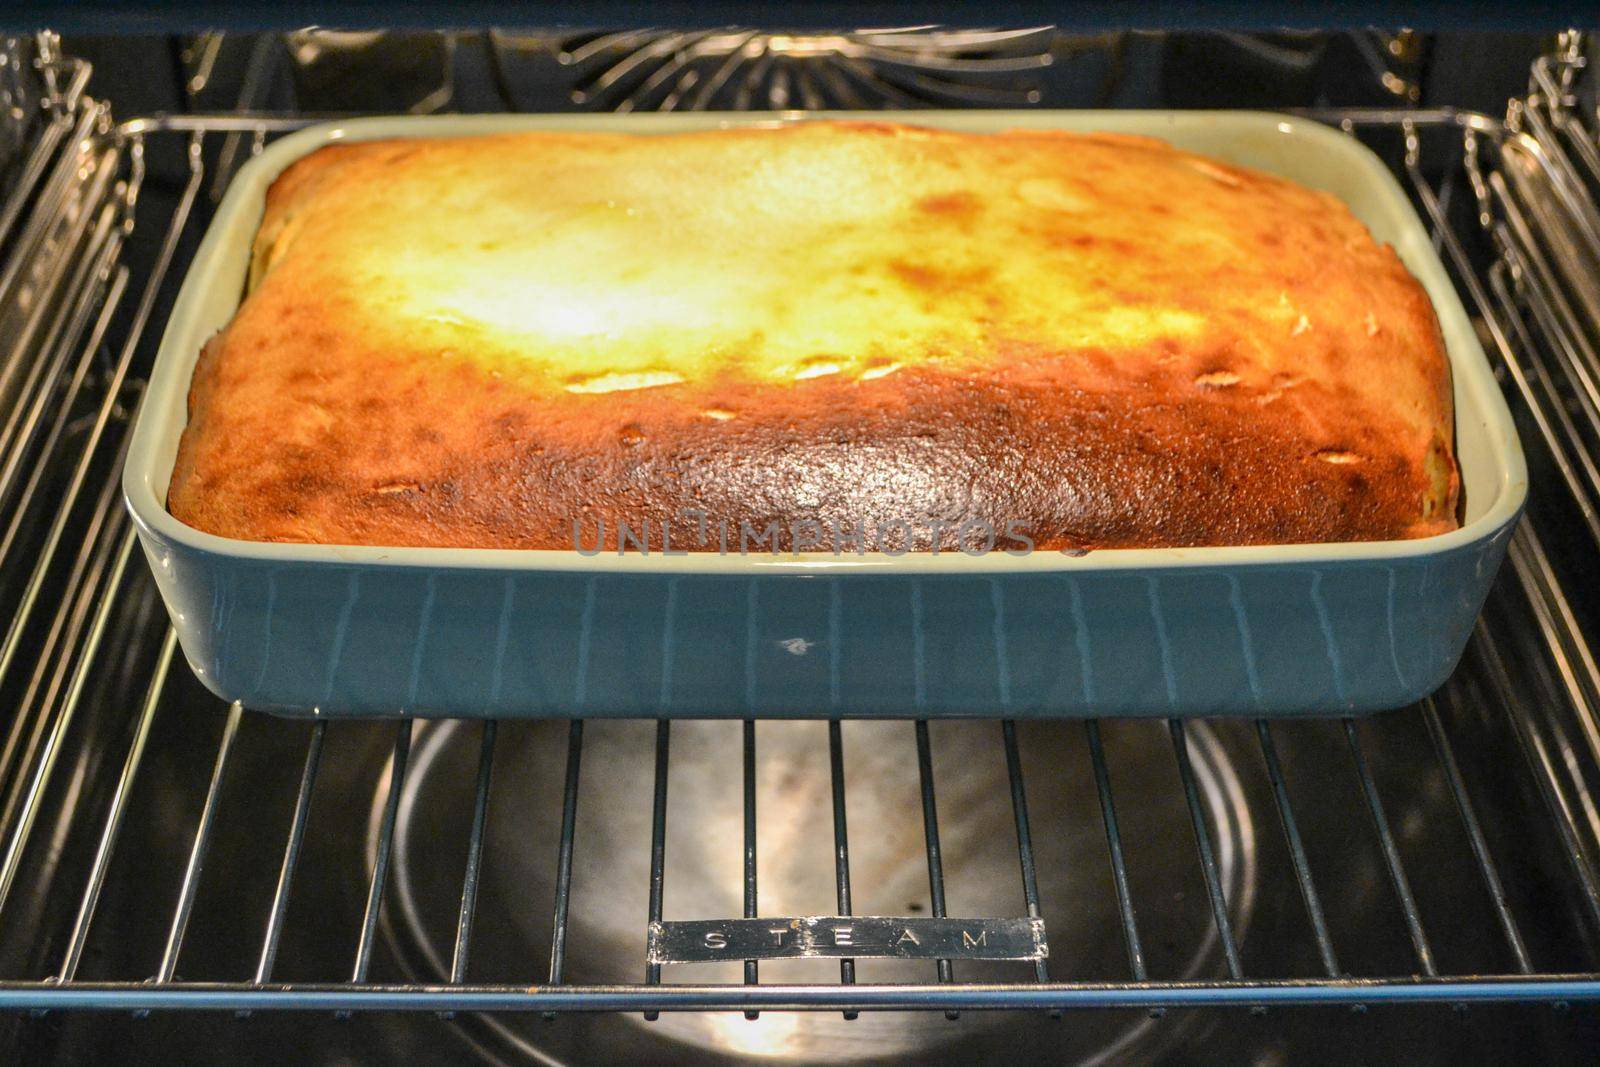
(184, 881)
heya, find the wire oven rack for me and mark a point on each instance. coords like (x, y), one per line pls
(101, 216)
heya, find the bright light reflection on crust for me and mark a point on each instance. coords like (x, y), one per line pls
(621, 383)
(799, 257)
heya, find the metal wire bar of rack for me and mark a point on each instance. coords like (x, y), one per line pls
(1119, 866)
(91, 409)
(385, 849)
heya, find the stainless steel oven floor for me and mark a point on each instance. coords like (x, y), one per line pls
(704, 864)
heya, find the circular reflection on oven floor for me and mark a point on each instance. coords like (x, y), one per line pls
(703, 876)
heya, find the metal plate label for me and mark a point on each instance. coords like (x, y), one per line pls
(838, 936)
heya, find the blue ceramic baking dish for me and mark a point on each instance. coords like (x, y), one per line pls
(1290, 630)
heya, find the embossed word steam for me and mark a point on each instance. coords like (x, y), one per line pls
(845, 936)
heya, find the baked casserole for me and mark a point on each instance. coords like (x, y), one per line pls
(858, 334)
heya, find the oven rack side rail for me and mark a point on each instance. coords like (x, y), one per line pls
(1562, 992)
(1554, 728)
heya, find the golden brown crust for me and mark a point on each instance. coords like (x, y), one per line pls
(1099, 339)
